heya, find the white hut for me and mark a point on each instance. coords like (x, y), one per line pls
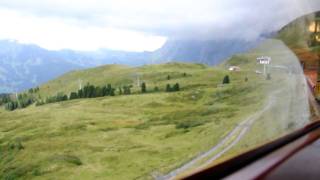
(234, 68)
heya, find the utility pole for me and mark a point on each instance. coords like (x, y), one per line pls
(17, 98)
(80, 84)
(138, 80)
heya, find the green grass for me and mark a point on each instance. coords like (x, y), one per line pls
(125, 137)
(120, 75)
(140, 136)
(290, 110)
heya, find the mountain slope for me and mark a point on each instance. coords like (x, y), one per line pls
(211, 52)
(25, 66)
(119, 76)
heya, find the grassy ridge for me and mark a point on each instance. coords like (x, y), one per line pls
(119, 75)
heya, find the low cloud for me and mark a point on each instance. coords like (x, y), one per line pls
(202, 19)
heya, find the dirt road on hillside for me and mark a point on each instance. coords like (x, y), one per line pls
(228, 141)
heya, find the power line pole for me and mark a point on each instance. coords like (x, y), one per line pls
(80, 84)
(17, 98)
(138, 80)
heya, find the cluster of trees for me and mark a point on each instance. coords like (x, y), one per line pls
(174, 88)
(91, 91)
(88, 91)
(34, 90)
(57, 98)
(126, 90)
(4, 98)
(12, 105)
(22, 101)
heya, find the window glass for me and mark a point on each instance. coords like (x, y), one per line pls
(150, 89)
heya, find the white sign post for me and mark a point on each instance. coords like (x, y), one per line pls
(264, 60)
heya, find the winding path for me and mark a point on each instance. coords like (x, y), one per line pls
(243, 127)
(295, 107)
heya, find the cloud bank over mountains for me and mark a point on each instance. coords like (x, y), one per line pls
(204, 31)
(202, 19)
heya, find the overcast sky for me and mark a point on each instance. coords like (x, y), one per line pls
(138, 25)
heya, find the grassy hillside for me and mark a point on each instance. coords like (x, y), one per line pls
(141, 136)
(129, 136)
(119, 75)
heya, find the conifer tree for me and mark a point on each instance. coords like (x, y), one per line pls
(112, 92)
(31, 90)
(176, 87)
(120, 91)
(98, 91)
(104, 91)
(127, 90)
(168, 88)
(80, 93)
(109, 89)
(143, 87)
(73, 95)
(226, 80)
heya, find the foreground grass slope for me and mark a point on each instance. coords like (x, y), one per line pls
(126, 137)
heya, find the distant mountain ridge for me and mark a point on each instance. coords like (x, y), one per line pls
(23, 66)
(211, 52)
